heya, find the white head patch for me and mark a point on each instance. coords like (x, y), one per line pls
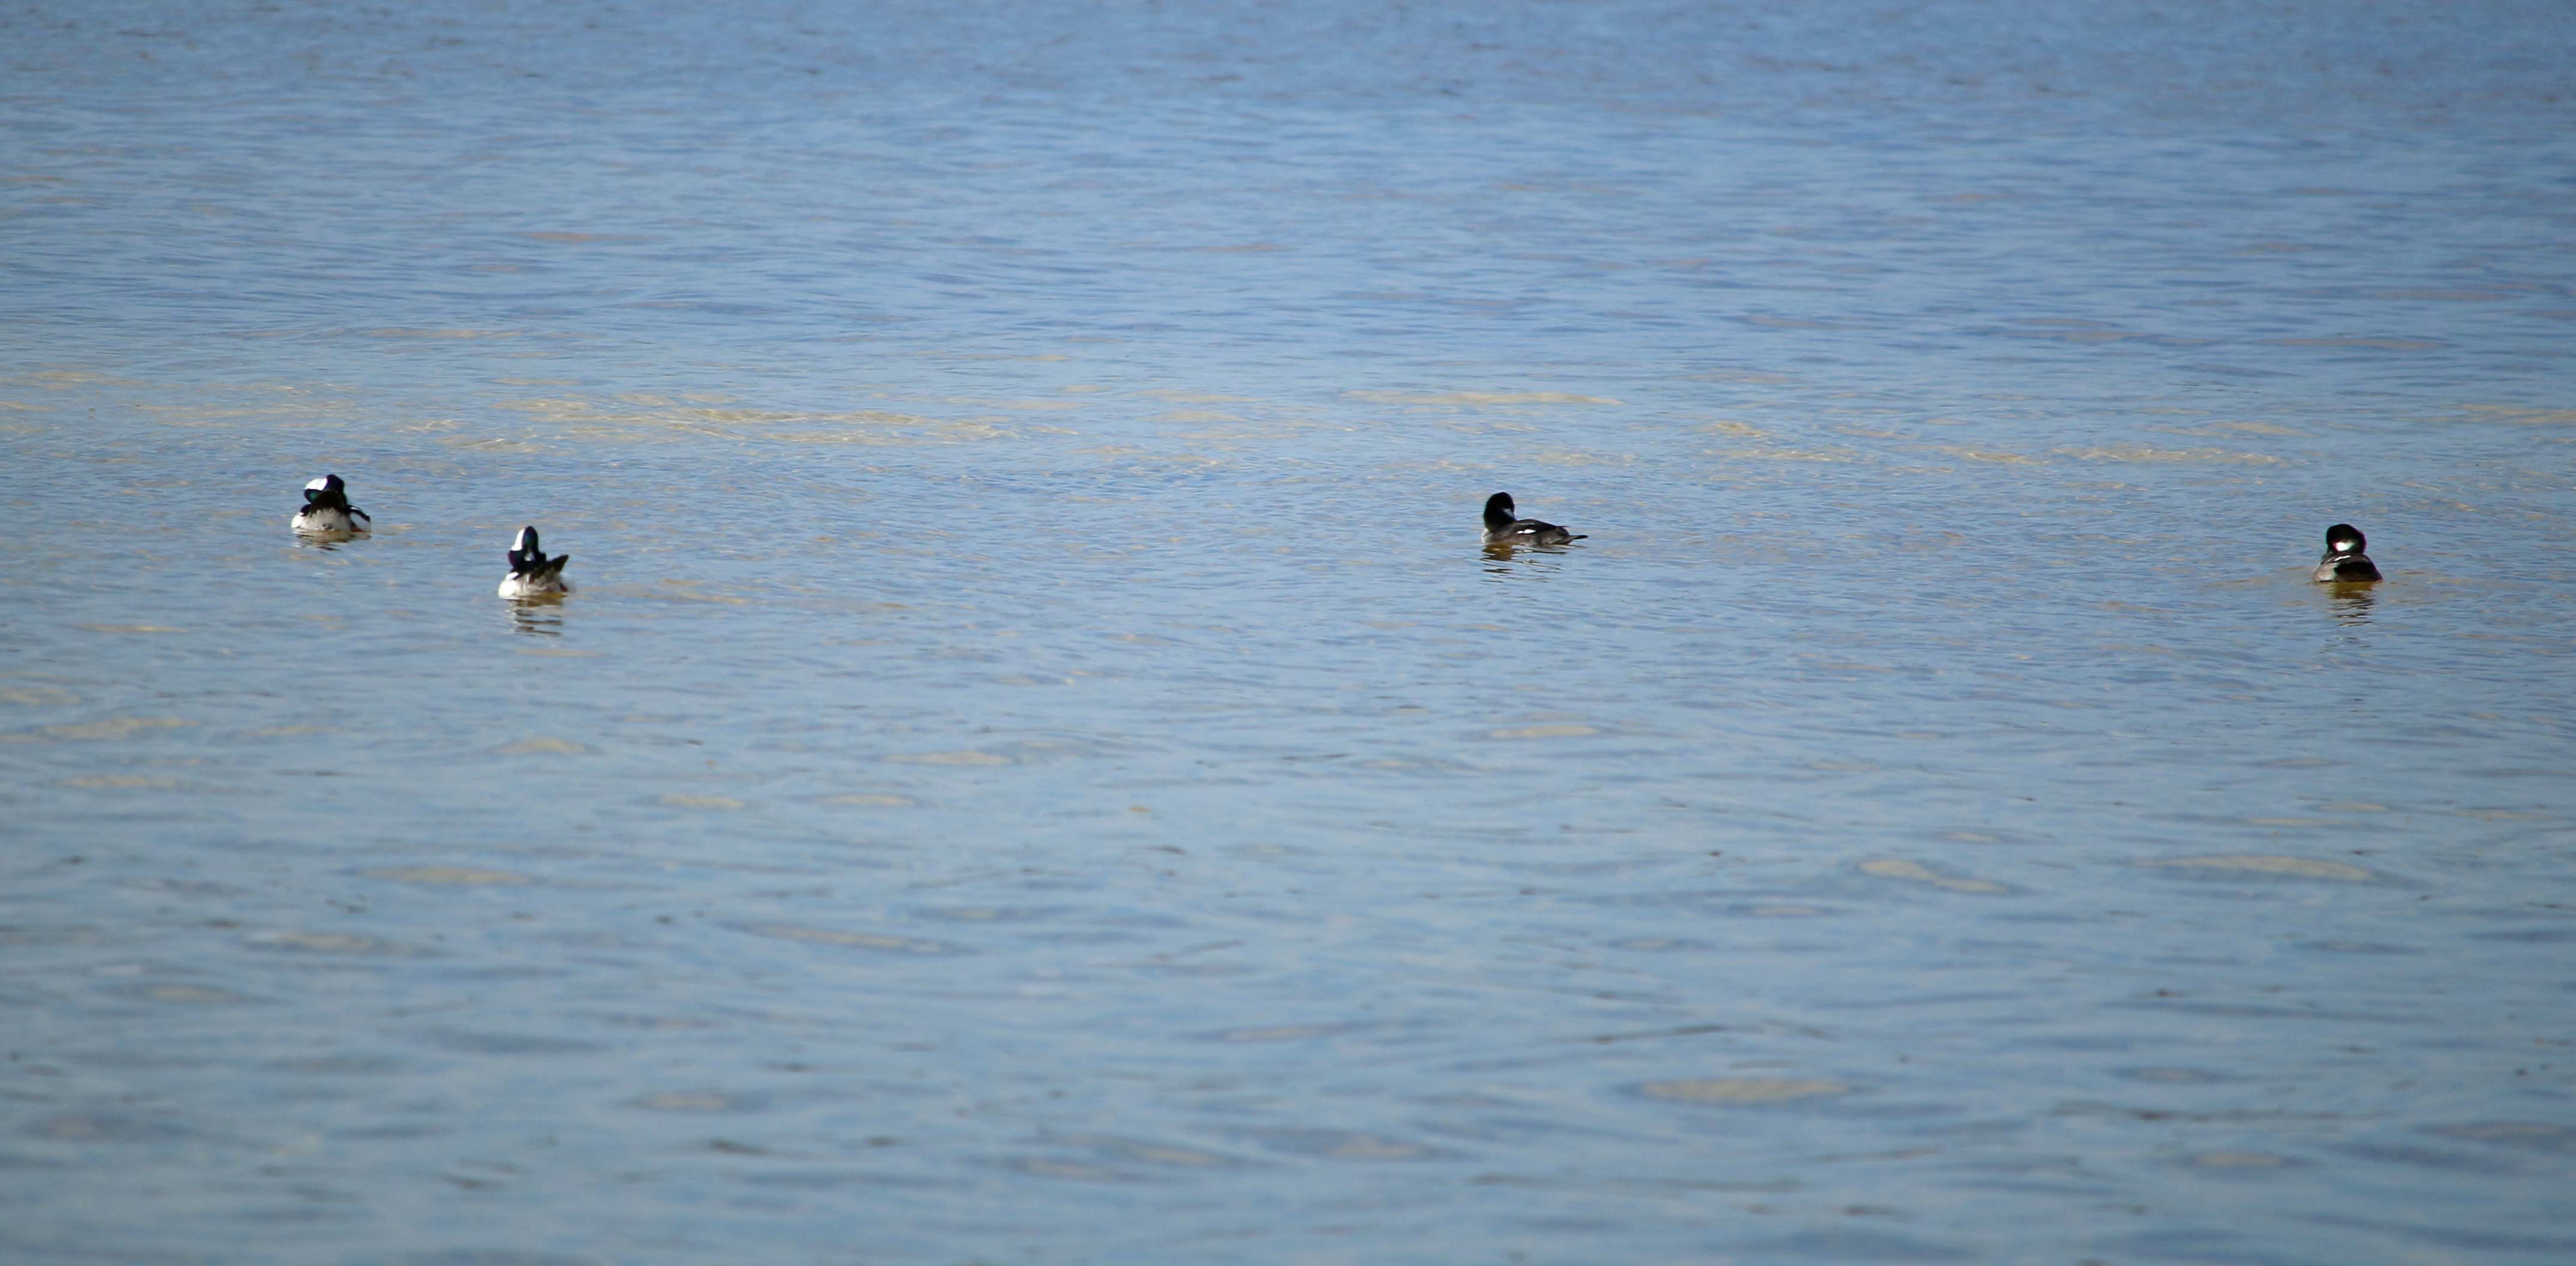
(526, 540)
(318, 484)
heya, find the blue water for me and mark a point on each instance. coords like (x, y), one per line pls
(1038, 766)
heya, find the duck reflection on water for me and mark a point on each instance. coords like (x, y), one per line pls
(2349, 601)
(540, 616)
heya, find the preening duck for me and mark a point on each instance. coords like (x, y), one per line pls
(532, 574)
(327, 511)
(1502, 527)
(2343, 561)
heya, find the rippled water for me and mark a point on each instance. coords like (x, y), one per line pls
(1038, 766)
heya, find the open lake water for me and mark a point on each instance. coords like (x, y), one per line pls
(1038, 766)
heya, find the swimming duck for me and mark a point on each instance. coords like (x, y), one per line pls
(1502, 528)
(2343, 559)
(531, 572)
(327, 511)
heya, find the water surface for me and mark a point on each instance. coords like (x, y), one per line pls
(1038, 766)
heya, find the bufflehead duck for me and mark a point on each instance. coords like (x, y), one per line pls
(531, 572)
(327, 511)
(2343, 559)
(1502, 528)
